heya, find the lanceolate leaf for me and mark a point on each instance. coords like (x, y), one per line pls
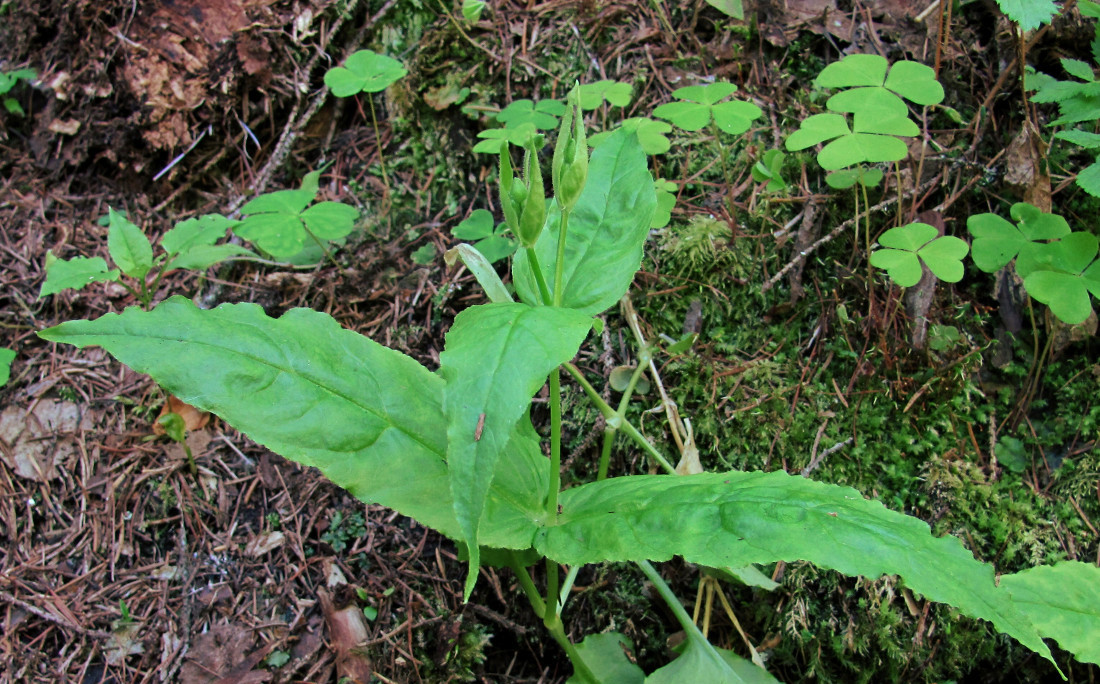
(737, 518)
(606, 232)
(369, 417)
(497, 357)
(1063, 602)
(128, 246)
(74, 274)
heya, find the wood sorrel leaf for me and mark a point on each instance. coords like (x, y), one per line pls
(594, 94)
(364, 71)
(497, 356)
(200, 257)
(203, 230)
(1063, 602)
(74, 274)
(369, 417)
(607, 230)
(651, 134)
(737, 518)
(853, 70)
(128, 246)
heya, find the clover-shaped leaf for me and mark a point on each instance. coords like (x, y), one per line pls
(365, 71)
(666, 200)
(769, 169)
(846, 178)
(651, 134)
(867, 73)
(493, 139)
(997, 241)
(491, 242)
(1067, 294)
(870, 140)
(702, 104)
(909, 245)
(194, 232)
(543, 114)
(853, 71)
(279, 222)
(592, 95)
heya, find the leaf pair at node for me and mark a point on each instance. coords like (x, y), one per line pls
(281, 222)
(1057, 265)
(879, 114)
(908, 246)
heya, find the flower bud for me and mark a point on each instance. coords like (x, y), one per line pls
(533, 214)
(570, 170)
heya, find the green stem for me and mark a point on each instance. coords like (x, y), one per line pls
(674, 604)
(550, 607)
(610, 431)
(528, 586)
(724, 156)
(378, 144)
(555, 443)
(567, 586)
(616, 422)
(540, 279)
(559, 265)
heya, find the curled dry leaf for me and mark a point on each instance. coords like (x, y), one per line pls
(35, 442)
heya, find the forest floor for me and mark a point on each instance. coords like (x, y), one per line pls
(118, 564)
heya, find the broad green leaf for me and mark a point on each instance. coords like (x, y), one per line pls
(280, 235)
(496, 247)
(1078, 68)
(471, 10)
(701, 104)
(996, 241)
(1038, 225)
(730, 8)
(1063, 602)
(815, 129)
(736, 518)
(592, 95)
(1029, 14)
(853, 70)
(330, 220)
(369, 417)
(689, 116)
(497, 356)
(883, 123)
(128, 246)
(1089, 179)
(6, 357)
(1064, 293)
(74, 274)
(943, 257)
(711, 93)
(858, 148)
(702, 662)
(606, 231)
(902, 267)
(279, 202)
(915, 82)
(605, 656)
(735, 117)
(874, 98)
(203, 230)
(1078, 137)
(478, 225)
(482, 269)
(201, 257)
(651, 134)
(910, 237)
(364, 71)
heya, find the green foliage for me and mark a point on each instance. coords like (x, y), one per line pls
(364, 71)
(543, 115)
(651, 134)
(344, 530)
(189, 245)
(592, 95)
(1078, 102)
(879, 114)
(702, 105)
(910, 245)
(491, 242)
(1063, 601)
(8, 80)
(666, 200)
(281, 222)
(1029, 14)
(471, 10)
(1059, 267)
(770, 170)
(731, 8)
(6, 358)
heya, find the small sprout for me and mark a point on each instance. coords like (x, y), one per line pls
(128, 246)
(846, 178)
(494, 139)
(909, 245)
(666, 200)
(769, 169)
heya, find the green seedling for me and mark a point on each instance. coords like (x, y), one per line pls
(189, 245)
(1057, 266)
(6, 358)
(770, 170)
(908, 246)
(456, 449)
(491, 241)
(280, 222)
(652, 135)
(367, 71)
(879, 114)
(424, 255)
(176, 430)
(864, 176)
(8, 80)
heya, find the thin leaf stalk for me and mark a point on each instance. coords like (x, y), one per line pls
(540, 279)
(677, 608)
(378, 144)
(559, 265)
(610, 431)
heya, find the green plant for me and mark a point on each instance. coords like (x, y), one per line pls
(1078, 102)
(189, 245)
(8, 80)
(908, 246)
(368, 72)
(456, 449)
(280, 222)
(1058, 266)
(770, 170)
(176, 430)
(6, 358)
(491, 242)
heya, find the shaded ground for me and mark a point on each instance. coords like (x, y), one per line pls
(119, 565)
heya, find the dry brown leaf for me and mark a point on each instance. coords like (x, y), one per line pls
(264, 543)
(33, 443)
(1025, 171)
(193, 418)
